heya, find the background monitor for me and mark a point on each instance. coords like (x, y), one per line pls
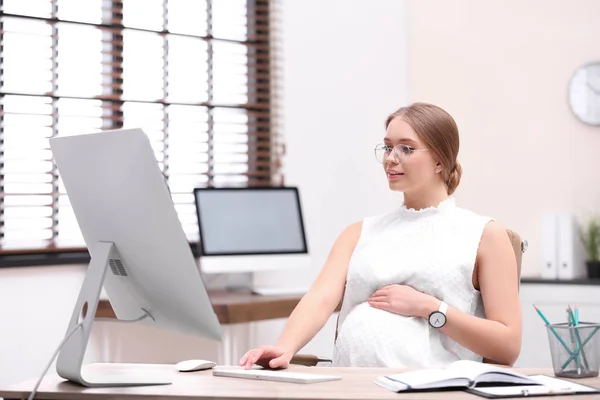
(245, 221)
(250, 229)
(138, 248)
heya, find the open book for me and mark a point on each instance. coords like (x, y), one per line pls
(462, 374)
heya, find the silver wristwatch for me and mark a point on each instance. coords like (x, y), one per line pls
(437, 319)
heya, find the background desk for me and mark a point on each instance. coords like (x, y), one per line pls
(356, 383)
(235, 307)
(235, 310)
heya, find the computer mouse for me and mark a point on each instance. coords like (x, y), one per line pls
(194, 365)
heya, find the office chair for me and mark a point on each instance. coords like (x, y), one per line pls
(519, 247)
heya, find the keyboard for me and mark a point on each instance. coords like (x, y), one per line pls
(271, 375)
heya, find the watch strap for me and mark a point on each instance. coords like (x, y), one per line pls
(443, 308)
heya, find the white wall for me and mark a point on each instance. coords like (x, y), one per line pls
(501, 68)
(35, 307)
(344, 71)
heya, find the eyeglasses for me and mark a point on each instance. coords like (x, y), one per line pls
(401, 152)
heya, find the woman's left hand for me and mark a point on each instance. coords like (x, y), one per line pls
(404, 300)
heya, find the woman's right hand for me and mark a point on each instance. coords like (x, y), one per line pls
(266, 357)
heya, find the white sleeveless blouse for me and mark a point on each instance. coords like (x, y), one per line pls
(432, 250)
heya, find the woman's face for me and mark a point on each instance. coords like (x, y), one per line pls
(409, 167)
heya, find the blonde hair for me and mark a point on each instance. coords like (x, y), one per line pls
(438, 130)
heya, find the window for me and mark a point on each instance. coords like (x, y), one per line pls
(194, 74)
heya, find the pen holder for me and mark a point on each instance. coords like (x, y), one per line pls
(575, 350)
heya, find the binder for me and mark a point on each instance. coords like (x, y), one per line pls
(549, 245)
(571, 251)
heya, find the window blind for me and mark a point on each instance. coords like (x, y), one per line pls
(194, 74)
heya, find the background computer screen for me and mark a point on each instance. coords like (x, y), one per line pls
(250, 221)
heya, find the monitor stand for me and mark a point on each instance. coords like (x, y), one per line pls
(276, 283)
(259, 274)
(279, 291)
(69, 364)
(249, 282)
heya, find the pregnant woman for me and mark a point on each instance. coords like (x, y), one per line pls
(422, 286)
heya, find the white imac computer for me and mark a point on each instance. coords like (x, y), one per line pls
(255, 230)
(139, 251)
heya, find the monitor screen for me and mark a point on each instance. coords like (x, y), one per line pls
(250, 221)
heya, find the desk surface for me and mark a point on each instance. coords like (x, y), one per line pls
(356, 383)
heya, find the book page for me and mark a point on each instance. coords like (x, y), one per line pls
(390, 384)
(430, 378)
(470, 369)
(480, 372)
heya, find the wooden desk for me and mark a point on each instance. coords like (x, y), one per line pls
(234, 311)
(234, 307)
(356, 383)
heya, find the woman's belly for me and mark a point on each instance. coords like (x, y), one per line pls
(370, 337)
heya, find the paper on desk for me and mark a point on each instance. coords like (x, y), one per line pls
(556, 383)
(550, 384)
(518, 391)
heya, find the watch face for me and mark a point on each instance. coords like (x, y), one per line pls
(584, 93)
(437, 319)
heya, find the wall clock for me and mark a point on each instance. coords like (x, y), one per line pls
(584, 93)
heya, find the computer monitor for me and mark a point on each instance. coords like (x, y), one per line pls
(138, 248)
(250, 229)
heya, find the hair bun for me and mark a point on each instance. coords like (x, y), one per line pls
(454, 178)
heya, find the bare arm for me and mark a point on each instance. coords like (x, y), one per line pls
(316, 306)
(498, 336)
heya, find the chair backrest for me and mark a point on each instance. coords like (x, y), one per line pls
(519, 247)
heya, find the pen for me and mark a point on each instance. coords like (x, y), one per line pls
(541, 315)
(538, 390)
(562, 390)
(574, 334)
(553, 331)
(578, 336)
(573, 355)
